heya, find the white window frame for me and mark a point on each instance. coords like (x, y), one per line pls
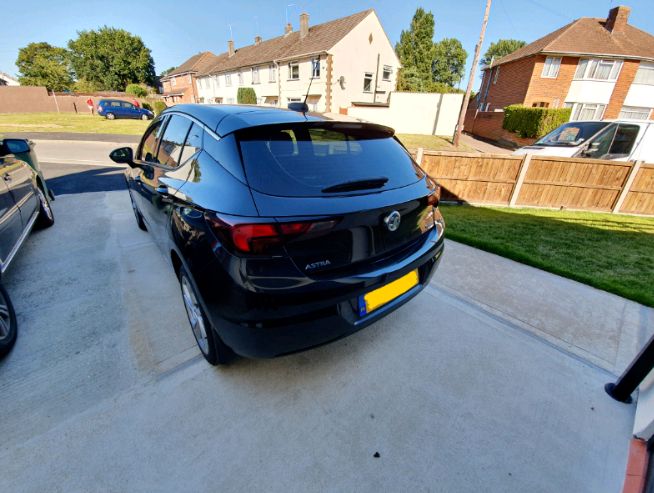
(590, 66)
(315, 68)
(645, 74)
(228, 80)
(272, 73)
(635, 113)
(240, 78)
(387, 70)
(216, 81)
(255, 75)
(578, 108)
(173, 82)
(551, 67)
(291, 66)
(367, 76)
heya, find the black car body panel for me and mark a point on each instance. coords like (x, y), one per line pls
(299, 293)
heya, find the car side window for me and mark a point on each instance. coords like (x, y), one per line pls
(193, 143)
(148, 150)
(129, 106)
(600, 145)
(115, 104)
(624, 140)
(173, 140)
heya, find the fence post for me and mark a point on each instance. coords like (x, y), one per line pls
(524, 166)
(627, 186)
(419, 154)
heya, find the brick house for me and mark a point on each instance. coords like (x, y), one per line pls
(180, 85)
(339, 62)
(601, 68)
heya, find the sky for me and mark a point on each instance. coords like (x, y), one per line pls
(175, 30)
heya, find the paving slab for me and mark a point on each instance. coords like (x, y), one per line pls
(106, 391)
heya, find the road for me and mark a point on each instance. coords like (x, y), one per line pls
(459, 390)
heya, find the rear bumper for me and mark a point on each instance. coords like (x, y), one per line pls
(265, 339)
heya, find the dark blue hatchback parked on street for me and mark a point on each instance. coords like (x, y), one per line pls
(116, 108)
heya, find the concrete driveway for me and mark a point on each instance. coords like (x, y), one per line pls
(106, 391)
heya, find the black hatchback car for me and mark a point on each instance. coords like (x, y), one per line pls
(286, 230)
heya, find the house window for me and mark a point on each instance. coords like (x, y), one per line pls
(293, 71)
(634, 113)
(228, 80)
(586, 111)
(598, 69)
(367, 82)
(255, 75)
(645, 74)
(240, 78)
(173, 81)
(272, 73)
(315, 68)
(540, 104)
(216, 81)
(497, 74)
(230, 100)
(551, 67)
(387, 72)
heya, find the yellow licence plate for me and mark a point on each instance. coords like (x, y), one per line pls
(379, 297)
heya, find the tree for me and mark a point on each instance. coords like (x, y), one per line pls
(449, 61)
(111, 58)
(136, 90)
(416, 52)
(246, 95)
(501, 48)
(84, 86)
(41, 64)
(167, 71)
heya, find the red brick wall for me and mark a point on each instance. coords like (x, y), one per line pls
(488, 125)
(183, 85)
(512, 83)
(35, 99)
(626, 77)
(543, 89)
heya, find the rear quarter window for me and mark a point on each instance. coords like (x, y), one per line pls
(303, 159)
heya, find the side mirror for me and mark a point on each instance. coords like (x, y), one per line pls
(15, 146)
(122, 155)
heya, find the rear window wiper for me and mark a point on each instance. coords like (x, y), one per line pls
(349, 186)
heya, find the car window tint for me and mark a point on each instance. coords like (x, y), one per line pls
(128, 105)
(600, 145)
(225, 152)
(193, 143)
(302, 160)
(115, 104)
(624, 140)
(150, 142)
(173, 141)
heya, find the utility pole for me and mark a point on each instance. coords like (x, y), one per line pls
(471, 80)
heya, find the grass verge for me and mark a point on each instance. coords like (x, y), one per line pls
(431, 142)
(69, 122)
(610, 252)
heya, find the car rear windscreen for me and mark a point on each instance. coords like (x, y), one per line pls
(309, 159)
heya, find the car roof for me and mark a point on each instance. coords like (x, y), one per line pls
(225, 118)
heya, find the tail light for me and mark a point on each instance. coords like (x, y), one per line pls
(434, 198)
(261, 238)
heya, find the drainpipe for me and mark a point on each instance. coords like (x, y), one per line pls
(374, 90)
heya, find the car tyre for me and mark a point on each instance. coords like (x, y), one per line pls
(110, 116)
(139, 218)
(212, 347)
(8, 324)
(144, 117)
(45, 218)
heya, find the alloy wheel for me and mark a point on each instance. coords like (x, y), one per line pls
(45, 205)
(195, 315)
(5, 318)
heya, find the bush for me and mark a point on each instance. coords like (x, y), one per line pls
(85, 86)
(146, 106)
(534, 122)
(136, 90)
(158, 107)
(246, 95)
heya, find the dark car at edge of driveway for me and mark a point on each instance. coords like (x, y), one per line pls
(286, 230)
(23, 203)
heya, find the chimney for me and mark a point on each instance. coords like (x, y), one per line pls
(230, 47)
(304, 25)
(288, 29)
(617, 19)
(257, 40)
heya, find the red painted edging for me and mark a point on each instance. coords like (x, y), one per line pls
(634, 481)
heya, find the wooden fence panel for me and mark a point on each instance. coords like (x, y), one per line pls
(487, 178)
(573, 183)
(640, 198)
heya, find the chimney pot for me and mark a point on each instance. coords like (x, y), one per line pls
(617, 19)
(288, 29)
(304, 25)
(257, 40)
(230, 47)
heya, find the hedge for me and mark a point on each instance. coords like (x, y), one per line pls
(158, 107)
(534, 122)
(136, 90)
(246, 95)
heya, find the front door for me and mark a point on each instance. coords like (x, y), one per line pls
(10, 221)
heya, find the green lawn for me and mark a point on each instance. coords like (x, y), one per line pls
(431, 142)
(611, 252)
(68, 122)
